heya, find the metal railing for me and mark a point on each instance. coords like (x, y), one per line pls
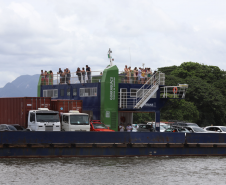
(73, 78)
(151, 87)
(174, 91)
(95, 77)
(127, 100)
(131, 79)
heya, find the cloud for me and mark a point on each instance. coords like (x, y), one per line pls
(50, 34)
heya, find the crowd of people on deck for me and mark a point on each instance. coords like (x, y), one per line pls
(47, 77)
(136, 75)
(65, 76)
(139, 76)
(82, 74)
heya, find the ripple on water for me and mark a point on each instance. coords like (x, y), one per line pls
(123, 170)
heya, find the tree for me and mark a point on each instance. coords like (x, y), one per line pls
(179, 109)
(140, 117)
(206, 91)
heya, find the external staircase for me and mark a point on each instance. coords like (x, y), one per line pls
(149, 89)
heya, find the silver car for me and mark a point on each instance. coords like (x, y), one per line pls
(218, 129)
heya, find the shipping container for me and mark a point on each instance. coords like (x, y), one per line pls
(64, 106)
(15, 110)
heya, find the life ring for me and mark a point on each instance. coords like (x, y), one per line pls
(122, 119)
(175, 90)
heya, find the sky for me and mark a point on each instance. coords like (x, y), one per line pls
(48, 34)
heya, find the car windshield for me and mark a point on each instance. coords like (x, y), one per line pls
(99, 125)
(165, 126)
(18, 127)
(198, 129)
(144, 126)
(182, 130)
(192, 124)
(79, 120)
(223, 128)
(47, 117)
(12, 128)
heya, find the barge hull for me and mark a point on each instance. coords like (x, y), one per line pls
(109, 144)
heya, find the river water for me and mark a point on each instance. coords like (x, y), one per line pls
(125, 170)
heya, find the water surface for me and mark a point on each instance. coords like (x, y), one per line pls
(135, 170)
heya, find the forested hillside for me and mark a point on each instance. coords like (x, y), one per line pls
(205, 101)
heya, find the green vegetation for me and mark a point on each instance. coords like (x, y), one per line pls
(205, 101)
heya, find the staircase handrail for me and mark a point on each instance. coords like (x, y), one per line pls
(148, 84)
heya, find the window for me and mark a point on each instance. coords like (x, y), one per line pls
(133, 92)
(53, 93)
(86, 92)
(65, 119)
(74, 92)
(62, 92)
(32, 117)
(68, 92)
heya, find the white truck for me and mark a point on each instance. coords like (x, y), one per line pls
(43, 119)
(75, 121)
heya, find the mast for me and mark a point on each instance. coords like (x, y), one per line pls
(110, 57)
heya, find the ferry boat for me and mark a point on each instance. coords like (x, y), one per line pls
(113, 100)
(110, 97)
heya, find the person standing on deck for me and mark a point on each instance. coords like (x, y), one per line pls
(125, 70)
(121, 127)
(88, 70)
(42, 77)
(139, 75)
(135, 73)
(128, 74)
(68, 76)
(129, 128)
(60, 72)
(83, 75)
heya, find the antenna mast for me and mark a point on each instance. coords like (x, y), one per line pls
(130, 57)
(109, 56)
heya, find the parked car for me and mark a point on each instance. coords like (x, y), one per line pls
(18, 127)
(145, 128)
(183, 124)
(194, 129)
(177, 129)
(219, 129)
(163, 126)
(98, 126)
(5, 127)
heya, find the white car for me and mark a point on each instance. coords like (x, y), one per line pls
(218, 129)
(162, 128)
(194, 129)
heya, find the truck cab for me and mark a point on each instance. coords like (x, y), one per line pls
(43, 119)
(75, 121)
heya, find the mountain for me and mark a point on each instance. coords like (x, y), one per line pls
(23, 86)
